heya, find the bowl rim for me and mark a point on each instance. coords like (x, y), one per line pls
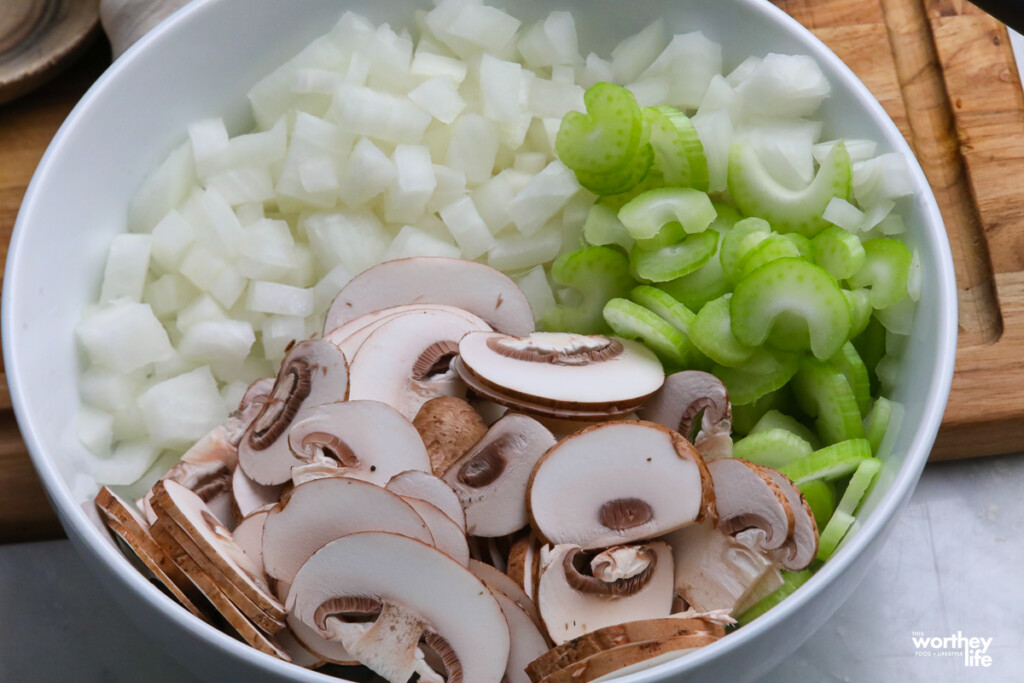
(71, 513)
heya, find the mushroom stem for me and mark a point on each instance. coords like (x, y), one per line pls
(389, 646)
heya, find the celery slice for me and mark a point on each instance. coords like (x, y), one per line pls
(757, 193)
(603, 228)
(839, 252)
(664, 306)
(877, 422)
(824, 393)
(771, 448)
(711, 332)
(606, 138)
(859, 301)
(766, 371)
(645, 215)
(821, 498)
(849, 362)
(674, 261)
(793, 305)
(790, 582)
(870, 344)
(652, 181)
(633, 321)
(773, 419)
(843, 518)
(620, 180)
(803, 245)
(829, 463)
(701, 286)
(746, 416)
(771, 249)
(886, 271)
(738, 242)
(678, 151)
(599, 274)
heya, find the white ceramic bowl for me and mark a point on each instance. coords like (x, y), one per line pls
(200, 64)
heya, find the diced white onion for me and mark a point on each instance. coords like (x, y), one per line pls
(271, 297)
(127, 264)
(537, 289)
(124, 337)
(635, 54)
(543, 197)
(519, 252)
(95, 430)
(844, 214)
(180, 410)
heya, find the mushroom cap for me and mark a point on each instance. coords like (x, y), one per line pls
(416, 581)
(309, 638)
(425, 486)
(474, 287)
(802, 547)
(448, 537)
(248, 496)
(526, 640)
(405, 362)
(495, 578)
(248, 535)
(569, 613)
(618, 482)
(627, 659)
(747, 496)
(687, 396)
(559, 374)
(317, 512)
(491, 478)
(367, 440)
(313, 372)
(524, 563)
(449, 427)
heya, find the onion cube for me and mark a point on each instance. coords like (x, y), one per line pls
(546, 194)
(168, 294)
(124, 337)
(355, 239)
(635, 54)
(250, 213)
(227, 230)
(95, 430)
(451, 185)
(537, 289)
(204, 308)
(391, 57)
(784, 86)
(406, 198)
(318, 174)
(493, 198)
(439, 96)
(530, 162)
(687, 65)
(266, 250)
(302, 274)
(369, 173)
(844, 214)
(468, 228)
(179, 411)
(429, 65)
(412, 241)
(554, 100)
(265, 148)
(379, 115)
(109, 390)
(652, 92)
(223, 342)
(126, 465)
(328, 287)
(228, 286)
(595, 70)
(716, 135)
(484, 27)
(243, 185)
(550, 42)
(882, 178)
(502, 89)
(209, 139)
(519, 252)
(473, 147)
(271, 297)
(201, 267)
(321, 81)
(127, 264)
(162, 190)
(859, 150)
(280, 331)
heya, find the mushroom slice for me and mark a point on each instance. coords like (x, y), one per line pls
(474, 287)
(695, 404)
(209, 479)
(365, 440)
(524, 563)
(449, 427)
(714, 571)
(502, 582)
(418, 484)
(616, 483)
(217, 552)
(313, 372)
(748, 497)
(801, 548)
(248, 536)
(299, 653)
(406, 361)
(231, 613)
(130, 527)
(317, 512)
(253, 400)
(328, 650)
(628, 659)
(448, 537)
(423, 593)
(558, 374)
(527, 642)
(491, 478)
(610, 637)
(247, 496)
(573, 602)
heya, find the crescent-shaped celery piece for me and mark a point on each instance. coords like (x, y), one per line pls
(606, 137)
(737, 243)
(757, 193)
(793, 305)
(674, 261)
(622, 179)
(829, 463)
(824, 393)
(603, 228)
(746, 416)
(771, 249)
(877, 422)
(766, 370)
(843, 518)
(647, 214)
(663, 305)
(678, 151)
(870, 344)
(711, 332)
(632, 321)
(859, 301)
(707, 282)
(821, 498)
(790, 582)
(773, 419)
(599, 274)
(772, 448)
(886, 271)
(849, 362)
(803, 245)
(652, 181)
(839, 252)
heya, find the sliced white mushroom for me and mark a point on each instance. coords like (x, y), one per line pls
(474, 287)
(299, 653)
(526, 640)
(618, 482)
(560, 375)
(714, 571)
(365, 440)
(406, 361)
(572, 601)
(422, 593)
(802, 546)
(248, 496)
(628, 659)
(255, 397)
(524, 563)
(248, 535)
(449, 427)
(491, 478)
(447, 536)
(747, 497)
(312, 373)
(210, 480)
(329, 650)
(504, 583)
(695, 404)
(419, 484)
(317, 512)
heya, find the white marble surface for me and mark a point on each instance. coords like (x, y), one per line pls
(953, 564)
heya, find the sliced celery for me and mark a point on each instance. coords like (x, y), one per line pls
(757, 193)
(849, 362)
(859, 301)
(821, 498)
(766, 370)
(824, 393)
(843, 518)
(711, 332)
(678, 151)
(622, 179)
(603, 228)
(877, 422)
(606, 138)
(664, 306)
(632, 321)
(674, 261)
(701, 286)
(652, 181)
(599, 274)
(839, 252)
(738, 242)
(886, 271)
(774, 419)
(829, 463)
(771, 249)
(746, 416)
(793, 305)
(645, 215)
(870, 344)
(771, 448)
(790, 582)
(803, 245)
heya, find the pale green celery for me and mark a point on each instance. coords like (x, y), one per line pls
(632, 321)
(771, 448)
(599, 274)
(859, 301)
(771, 249)
(671, 262)
(738, 242)
(603, 228)
(821, 498)
(839, 252)
(652, 181)
(843, 518)
(678, 151)
(849, 362)
(711, 332)
(664, 306)
(622, 179)
(648, 213)
(886, 271)
(766, 370)
(877, 422)
(790, 582)
(606, 138)
(746, 416)
(773, 419)
(824, 393)
(829, 463)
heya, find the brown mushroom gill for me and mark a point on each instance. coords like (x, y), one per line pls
(579, 575)
(435, 360)
(584, 351)
(349, 609)
(291, 389)
(625, 513)
(487, 465)
(330, 446)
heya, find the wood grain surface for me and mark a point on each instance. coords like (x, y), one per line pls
(942, 69)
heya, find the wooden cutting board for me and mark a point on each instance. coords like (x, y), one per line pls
(945, 73)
